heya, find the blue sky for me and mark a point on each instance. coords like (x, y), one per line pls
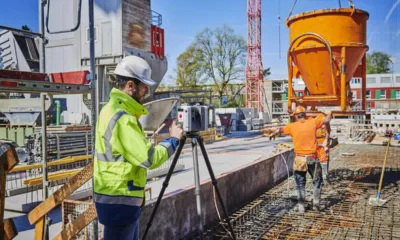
(183, 19)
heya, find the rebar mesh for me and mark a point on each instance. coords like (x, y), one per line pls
(346, 214)
(71, 210)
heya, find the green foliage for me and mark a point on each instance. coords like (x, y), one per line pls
(378, 62)
(217, 56)
(267, 72)
(188, 73)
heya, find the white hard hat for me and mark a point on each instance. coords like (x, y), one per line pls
(135, 67)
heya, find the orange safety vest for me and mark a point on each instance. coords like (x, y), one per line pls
(321, 154)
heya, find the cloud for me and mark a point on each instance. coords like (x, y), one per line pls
(392, 10)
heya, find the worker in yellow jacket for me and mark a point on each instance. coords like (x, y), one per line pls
(123, 154)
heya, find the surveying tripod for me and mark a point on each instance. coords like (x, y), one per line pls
(196, 138)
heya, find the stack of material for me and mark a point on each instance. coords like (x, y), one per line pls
(242, 119)
(61, 142)
(257, 124)
(250, 115)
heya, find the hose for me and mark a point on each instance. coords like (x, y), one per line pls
(219, 215)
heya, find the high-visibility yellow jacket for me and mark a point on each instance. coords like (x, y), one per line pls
(122, 157)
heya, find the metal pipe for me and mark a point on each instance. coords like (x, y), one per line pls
(58, 112)
(44, 160)
(197, 186)
(78, 22)
(290, 79)
(43, 38)
(364, 83)
(343, 90)
(93, 86)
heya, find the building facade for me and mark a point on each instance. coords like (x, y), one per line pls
(383, 97)
(276, 98)
(122, 27)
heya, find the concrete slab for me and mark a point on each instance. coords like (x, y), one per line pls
(224, 156)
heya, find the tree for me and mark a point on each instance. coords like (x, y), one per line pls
(267, 72)
(220, 57)
(188, 72)
(26, 28)
(378, 62)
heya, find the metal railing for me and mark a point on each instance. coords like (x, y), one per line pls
(27, 180)
(156, 18)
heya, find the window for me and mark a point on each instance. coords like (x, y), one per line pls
(368, 93)
(386, 79)
(383, 94)
(371, 80)
(398, 79)
(88, 34)
(356, 80)
(397, 94)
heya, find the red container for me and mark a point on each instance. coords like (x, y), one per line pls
(225, 120)
(20, 75)
(77, 77)
(157, 41)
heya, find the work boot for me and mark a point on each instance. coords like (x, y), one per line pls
(301, 197)
(325, 169)
(316, 199)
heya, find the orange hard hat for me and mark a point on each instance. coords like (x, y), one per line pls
(299, 109)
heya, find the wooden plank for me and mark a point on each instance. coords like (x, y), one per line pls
(8, 160)
(67, 189)
(10, 231)
(65, 160)
(39, 229)
(78, 224)
(52, 177)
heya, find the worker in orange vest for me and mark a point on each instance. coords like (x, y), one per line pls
(323, 134)
(303, 133)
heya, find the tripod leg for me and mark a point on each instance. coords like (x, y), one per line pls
(165, 184)
(197, 184)
(214, 182)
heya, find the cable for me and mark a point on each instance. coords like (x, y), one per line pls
(279, 27)
(288, 175)
(291, 10)
(219, 215)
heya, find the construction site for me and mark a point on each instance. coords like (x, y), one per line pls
(232, 175)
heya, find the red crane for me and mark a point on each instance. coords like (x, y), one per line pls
(254, 68)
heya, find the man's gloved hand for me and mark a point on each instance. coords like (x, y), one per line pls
(176, 130)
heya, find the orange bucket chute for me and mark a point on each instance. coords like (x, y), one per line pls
(327, 49)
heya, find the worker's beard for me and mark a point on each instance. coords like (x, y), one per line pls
(137, 97)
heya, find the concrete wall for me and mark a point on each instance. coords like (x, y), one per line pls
(176, 216)
(136, 12)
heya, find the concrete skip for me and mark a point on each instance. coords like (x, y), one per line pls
(176, 216)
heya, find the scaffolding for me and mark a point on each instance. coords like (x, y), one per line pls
(47, 90)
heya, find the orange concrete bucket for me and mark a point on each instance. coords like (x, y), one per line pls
(327, 49)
